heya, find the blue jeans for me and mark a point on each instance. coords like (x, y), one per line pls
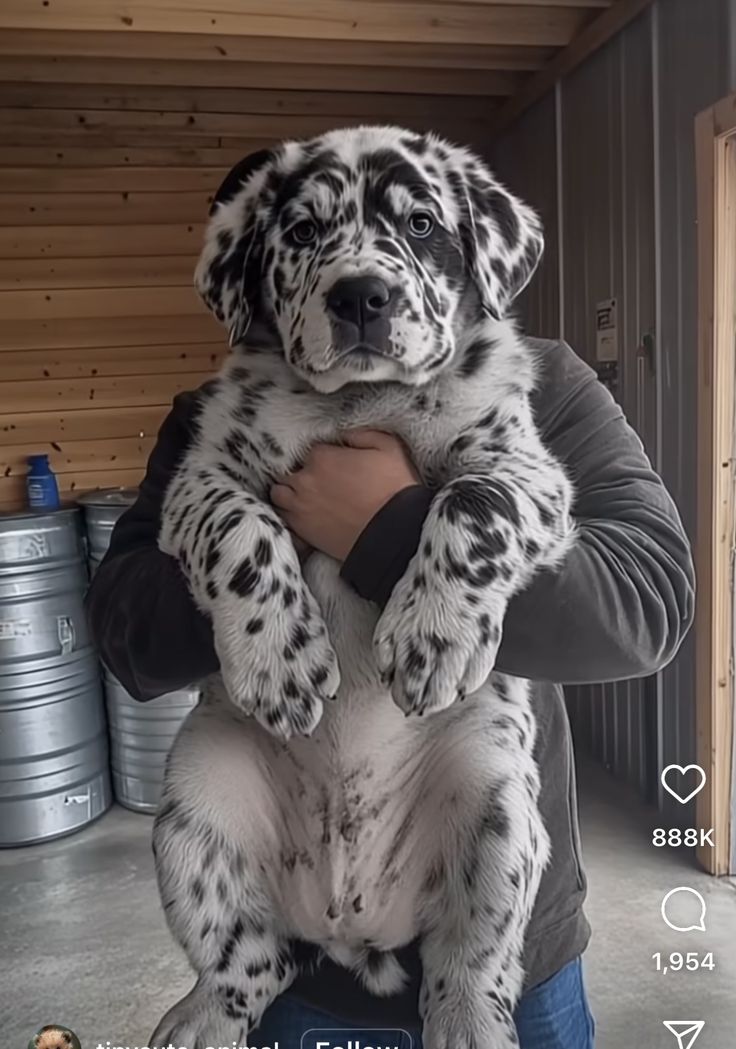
(553, 1015)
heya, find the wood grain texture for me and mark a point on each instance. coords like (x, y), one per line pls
(290, 76)
(123, 50)
(92, 156)
(93, 361)
(102, 391)
(716, 476)
(105, 179)
(112, 330)
(121, 208)
(107, 138)
(18, 125)
(131, 272)
(327, 20)
(99, 324)
(65, 457)
(94, 242)
(373, 105)
(43, 428)
(94, 303)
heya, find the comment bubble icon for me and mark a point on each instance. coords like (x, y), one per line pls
(683, 909)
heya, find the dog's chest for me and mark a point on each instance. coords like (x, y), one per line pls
(263, 426)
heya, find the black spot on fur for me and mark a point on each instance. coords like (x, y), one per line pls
(495, 820)
(299, 637)
(504, 214)
(414, 661)
(197, 890)
(238, 175)
(318, 677)
(236, 935)
(212, 558)
(230, 521)
(475, 357)
(244, 579)
(264, 553)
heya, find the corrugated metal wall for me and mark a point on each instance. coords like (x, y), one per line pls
(609, 161)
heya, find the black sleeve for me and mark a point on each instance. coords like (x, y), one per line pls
(623, 600)
(147, 629)
(386, 545)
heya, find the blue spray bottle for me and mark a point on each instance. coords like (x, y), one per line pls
(41, 486)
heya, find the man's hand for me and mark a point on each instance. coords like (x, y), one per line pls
(330, 500)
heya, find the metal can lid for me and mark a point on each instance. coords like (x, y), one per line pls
(30, 514)
(109, 497)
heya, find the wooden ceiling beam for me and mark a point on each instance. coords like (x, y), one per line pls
(445, 22)
(159, 156)
(518, 3)
(224, 50)
(252, 75)
(110, 127)
(129, 105)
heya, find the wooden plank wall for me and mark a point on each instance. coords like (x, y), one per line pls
(103, 192)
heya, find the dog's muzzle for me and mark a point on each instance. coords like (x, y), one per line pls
(360, 310)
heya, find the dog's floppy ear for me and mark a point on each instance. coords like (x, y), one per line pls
(503, 241)
(229, 267)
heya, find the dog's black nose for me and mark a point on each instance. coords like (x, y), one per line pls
(360, 299)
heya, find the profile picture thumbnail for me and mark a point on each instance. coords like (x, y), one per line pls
(54, 1036)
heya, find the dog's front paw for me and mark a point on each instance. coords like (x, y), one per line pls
(277, 663)
(436, 646)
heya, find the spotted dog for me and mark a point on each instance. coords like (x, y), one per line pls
(364, 277)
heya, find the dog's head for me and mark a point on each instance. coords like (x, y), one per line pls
(364, 254)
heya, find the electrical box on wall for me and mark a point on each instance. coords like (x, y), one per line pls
(607, 343)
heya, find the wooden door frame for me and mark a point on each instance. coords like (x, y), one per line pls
(715, 140)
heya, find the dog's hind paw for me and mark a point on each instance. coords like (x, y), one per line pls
(207, 1017)
(469, 1023)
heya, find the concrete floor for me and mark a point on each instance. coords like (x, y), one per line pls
(83, 941)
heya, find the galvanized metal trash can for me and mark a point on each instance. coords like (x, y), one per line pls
(101, 511)
(141, 734)
(54, 776)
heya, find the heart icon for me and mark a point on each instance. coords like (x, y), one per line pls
(683, 771)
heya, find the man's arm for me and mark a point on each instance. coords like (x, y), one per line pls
(623, 600)
(145, 624)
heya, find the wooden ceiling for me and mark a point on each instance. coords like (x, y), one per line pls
(506, 54)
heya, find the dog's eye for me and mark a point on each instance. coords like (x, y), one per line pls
(303, 232)
(421, 224)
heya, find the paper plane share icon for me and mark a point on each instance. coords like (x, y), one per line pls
(685, 1031)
